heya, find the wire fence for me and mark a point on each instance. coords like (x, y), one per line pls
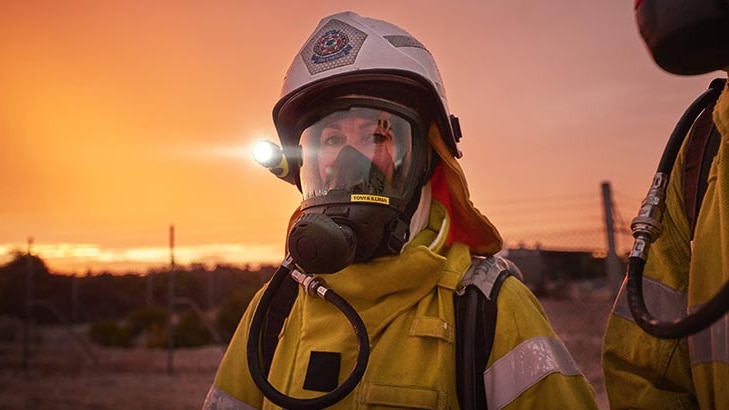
(567, 268)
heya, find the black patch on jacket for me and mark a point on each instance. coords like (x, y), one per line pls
(323, 371)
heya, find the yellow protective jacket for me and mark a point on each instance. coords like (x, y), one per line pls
(644, 372)
(406, 303)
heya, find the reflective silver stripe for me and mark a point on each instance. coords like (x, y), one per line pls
(711, 344)
(663, 302)
(220, 400)
(523, 367)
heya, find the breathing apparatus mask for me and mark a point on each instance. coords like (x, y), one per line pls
(363, 162)
(686, 37)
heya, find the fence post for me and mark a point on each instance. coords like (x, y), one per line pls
(149, 285)
(171, 304)
(211, 289)
(612, 262)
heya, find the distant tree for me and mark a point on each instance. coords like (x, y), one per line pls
(14, 286)
(98, 297)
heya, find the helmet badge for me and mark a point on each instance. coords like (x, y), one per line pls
(332, 45)
(336, 44)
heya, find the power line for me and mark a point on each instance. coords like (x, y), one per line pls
(542, 201)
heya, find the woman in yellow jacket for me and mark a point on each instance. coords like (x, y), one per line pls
(387, 223)
(684, 269)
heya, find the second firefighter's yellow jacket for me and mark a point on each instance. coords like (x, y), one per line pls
(644, 372)
(406, 303)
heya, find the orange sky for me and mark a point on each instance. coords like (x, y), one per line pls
(118, 119)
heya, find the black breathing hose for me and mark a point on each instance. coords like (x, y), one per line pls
(313, 287)
(647, 226)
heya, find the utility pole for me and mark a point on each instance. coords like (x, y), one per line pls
(74, 298)
(211, 288)
(171, 303)
(612, 262)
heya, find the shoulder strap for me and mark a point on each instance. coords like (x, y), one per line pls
(701, 148)
(275, 318)
(475, 305)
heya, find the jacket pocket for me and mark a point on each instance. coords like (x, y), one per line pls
(402, 397)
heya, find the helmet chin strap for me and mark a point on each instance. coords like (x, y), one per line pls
(420, 218)
(417, 212)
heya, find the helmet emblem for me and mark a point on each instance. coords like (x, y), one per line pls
(335, 44)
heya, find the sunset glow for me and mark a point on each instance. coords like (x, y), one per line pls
(81, 259)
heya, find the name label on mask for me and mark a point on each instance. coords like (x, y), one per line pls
(370, 198)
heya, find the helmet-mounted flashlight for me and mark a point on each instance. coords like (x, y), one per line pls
(271, 156)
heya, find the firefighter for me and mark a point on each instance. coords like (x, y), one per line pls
(663, 357)
(387, 223)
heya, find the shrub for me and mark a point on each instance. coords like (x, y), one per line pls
(191, 332)
(109, 333)
(146, 319)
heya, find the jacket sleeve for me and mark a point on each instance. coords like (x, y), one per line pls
(642, 371)
(233, 387)
(530, 367)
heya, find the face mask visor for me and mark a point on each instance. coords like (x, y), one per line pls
(361, 149)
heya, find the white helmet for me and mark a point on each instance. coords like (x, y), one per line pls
(353, 57)
(350, 54)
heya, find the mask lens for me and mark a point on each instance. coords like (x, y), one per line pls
(359, 150)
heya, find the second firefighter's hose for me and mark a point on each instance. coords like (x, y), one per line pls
(647, 226)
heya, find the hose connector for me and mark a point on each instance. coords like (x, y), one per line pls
(312, 286)
(647, 226)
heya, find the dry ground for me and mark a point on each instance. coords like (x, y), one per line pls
(63, 379)
(60, 376)
(580, 321)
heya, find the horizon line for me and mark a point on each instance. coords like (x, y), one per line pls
(85, 258)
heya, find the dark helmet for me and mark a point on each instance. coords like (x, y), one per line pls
(686, 37)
